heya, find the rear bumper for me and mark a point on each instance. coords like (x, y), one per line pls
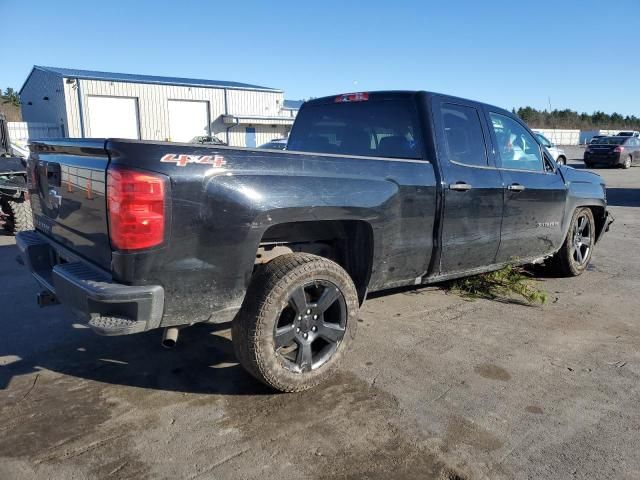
(109, 308)
(602, 159)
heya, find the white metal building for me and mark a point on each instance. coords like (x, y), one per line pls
(91, 104)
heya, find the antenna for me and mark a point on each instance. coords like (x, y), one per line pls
(555, 133)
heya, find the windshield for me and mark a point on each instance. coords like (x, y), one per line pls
(386, 128)
(207, 139)
(276, 145)
(544, 140)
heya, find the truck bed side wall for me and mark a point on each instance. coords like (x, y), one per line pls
(221, 210)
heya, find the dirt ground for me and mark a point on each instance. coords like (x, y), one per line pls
(436, 387)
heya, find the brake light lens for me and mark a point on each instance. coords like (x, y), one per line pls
(136, 208)
(618, 149)
(352, 97)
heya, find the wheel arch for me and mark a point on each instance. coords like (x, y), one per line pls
(349, 243)
(600, 217)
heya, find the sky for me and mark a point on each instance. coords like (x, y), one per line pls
(579, 54)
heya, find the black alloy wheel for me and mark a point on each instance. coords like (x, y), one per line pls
(582, 239)
(297, 321)
(311, 326)
(574, 255)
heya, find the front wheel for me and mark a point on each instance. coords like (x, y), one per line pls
(575, 254)
(297, 321)
(561, 161)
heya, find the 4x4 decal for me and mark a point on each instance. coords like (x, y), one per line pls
(217, 161)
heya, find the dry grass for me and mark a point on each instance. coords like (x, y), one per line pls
(510, 283)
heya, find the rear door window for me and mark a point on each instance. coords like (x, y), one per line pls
(464, 140)
(383, 128)
(517, 148)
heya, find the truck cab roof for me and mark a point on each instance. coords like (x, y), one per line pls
(394, 95)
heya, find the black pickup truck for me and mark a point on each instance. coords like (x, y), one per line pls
(375, 190)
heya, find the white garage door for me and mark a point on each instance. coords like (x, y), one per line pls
(115, 117)
(187, 120)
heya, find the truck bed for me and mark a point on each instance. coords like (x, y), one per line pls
(223, 203)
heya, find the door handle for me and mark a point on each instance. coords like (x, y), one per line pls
(516, 187)
(460, 186)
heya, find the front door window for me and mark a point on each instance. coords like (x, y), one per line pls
(517, 148)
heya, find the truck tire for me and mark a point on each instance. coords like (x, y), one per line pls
(20, 215)
(561, 160)
(575, 254)
(297, 320)
(627, 162)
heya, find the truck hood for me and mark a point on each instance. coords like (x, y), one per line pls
(572, 175)
(584, 184)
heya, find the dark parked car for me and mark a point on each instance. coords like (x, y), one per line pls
(379, 190)
(597, 138)
(275, 144)
(207, 140)
(613, 152)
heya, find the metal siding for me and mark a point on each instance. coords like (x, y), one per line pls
(71, 105)
(560, 136)
(153, 102)
(265, 104)
(152, 105)
(25, 131)
(39, 85)
(264, 133)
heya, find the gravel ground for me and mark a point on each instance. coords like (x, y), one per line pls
(435, 387)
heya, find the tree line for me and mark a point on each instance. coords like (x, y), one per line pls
(9, 96)
(567, 118)
(570, 119)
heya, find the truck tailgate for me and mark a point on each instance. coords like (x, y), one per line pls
(67, 191)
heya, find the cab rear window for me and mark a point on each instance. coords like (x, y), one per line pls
(386, 128)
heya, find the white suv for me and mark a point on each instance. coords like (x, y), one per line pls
(557, 153)
(628, 133)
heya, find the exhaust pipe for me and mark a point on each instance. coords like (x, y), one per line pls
(170, 337)
(46, 298)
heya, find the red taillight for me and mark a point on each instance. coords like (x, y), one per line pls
(136, 206)
(618, 149)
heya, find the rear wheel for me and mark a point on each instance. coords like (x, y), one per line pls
(561, 160)
(575, 254)
(588, 164)
(298, 319)
(20, 215)
(627, 162)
